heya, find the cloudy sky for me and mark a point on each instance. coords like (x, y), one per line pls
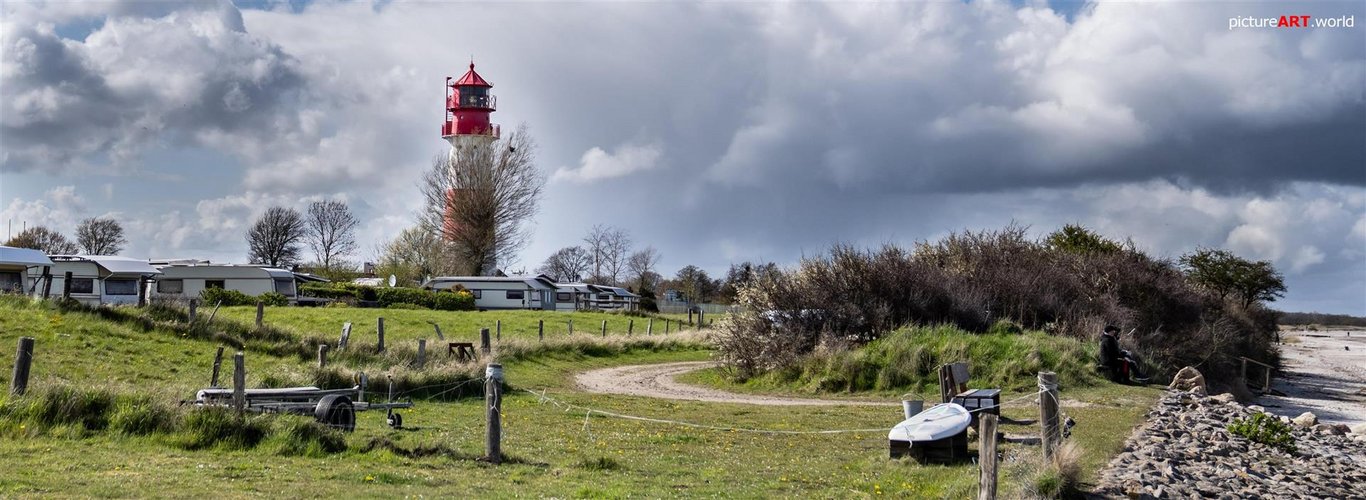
(717, 132)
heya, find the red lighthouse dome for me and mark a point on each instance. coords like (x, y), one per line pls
(468, 105)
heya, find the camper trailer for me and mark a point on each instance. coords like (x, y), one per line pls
(14, 268)
(186, 281)
(96, 279)
(501, 292)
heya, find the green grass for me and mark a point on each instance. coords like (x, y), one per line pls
(551, 451)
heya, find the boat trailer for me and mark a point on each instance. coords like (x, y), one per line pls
(332, 407)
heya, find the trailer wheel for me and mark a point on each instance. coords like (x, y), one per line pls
(336, 410)
(396, 420)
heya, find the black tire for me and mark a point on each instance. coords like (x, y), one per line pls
(336, 410)
(396, 421)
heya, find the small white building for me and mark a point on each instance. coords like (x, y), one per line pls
(187, 281)
(14, 268)
(502, 292)
(97, 279)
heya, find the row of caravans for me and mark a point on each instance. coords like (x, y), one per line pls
(102, 279)
(537, 292)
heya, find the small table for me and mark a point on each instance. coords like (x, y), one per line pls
(462, 350)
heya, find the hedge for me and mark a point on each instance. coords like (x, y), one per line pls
(236, 298)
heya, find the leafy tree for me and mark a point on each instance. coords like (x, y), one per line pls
(41, 238)
(330, 232)
(1075, 238)
(415, 254)
(1226, 274)
(274, 238)
(696, 286)
(100, 236)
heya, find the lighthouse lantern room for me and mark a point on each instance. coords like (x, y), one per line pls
(468, 105)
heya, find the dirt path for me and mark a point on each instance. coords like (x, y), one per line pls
(657, 381)
(1325, 373)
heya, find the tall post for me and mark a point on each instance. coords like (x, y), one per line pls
(1048, 412)
(379, 324)
(701, 318)
(66, 285)
(650, 326)
(484, 341)
(142, 291)
(217, 365)
(260, 314)
(666, 326)
(194, 308)
(630, 326)
(47, 282)
(239, 382)
(689, 315)
(540, 330)
(498, 330)
(322, 356)
(571, 327)
(22, 360)
(493, 403)
(986, 457)
(604, 328)
(421, 352)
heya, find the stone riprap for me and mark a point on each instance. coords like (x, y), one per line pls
(1185, 451)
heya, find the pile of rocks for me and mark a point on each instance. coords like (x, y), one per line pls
(1185, 450)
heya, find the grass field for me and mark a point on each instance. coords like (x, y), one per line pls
(553, 451)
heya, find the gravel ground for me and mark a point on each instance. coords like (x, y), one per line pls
(657, 381)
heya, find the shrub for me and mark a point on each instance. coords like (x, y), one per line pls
(402, 305)
(1266, 429)
(273, 299)
(306, 437)
(221, 427)
(453, 300)
(459, 300)
(142, 416)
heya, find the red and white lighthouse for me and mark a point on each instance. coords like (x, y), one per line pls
(468, 105)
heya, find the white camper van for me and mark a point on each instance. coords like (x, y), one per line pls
(97, 279)
(187, 281)
(501, 292)
(14, 266)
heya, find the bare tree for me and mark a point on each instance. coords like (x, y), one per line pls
(331, 231)
(415, 254)
(42, 238)
(566, 264)
(100, 236)
(274, 238)
(608, 247)
(480, 199)
(642, 266)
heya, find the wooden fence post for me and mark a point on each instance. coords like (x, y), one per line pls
(142, 291)
(47, 282)
(421, 352)
(66, 285)
(260, 314)
(194, 309)
(666, 326)
(630, 327)
(604, 328)
(498, 330)
(571, 327)
(986, 457)
(239, 382)
(380, 325)
(493, 402)
(701, 318)
(540, 330)
(345, 336)
(23, 358)
(322, 356)
(1048, 412)
(484, 341)
(217, 365)
(689, 315)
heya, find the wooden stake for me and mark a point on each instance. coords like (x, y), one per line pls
(484, 341)
(217, 365)
(345, 336)
(540, 329)
(630, 326)
(499, 326)
(421, 352)
(1048, 412)
(986, 457)
(689, 315)
(260, 314)
(194, 307)
(47, 282)
(604, 328)
(493, 402)
(571, 327)
(214, 312)
(142, 291)
(666, 327)
(322, 356)
(650, 326)
(380, 325)
(239, 382)
(23, 359)
(66, 285)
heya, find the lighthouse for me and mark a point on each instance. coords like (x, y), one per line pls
(468, 105)
(467, 125)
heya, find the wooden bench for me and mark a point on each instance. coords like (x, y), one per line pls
(462, 350)
(953, 388)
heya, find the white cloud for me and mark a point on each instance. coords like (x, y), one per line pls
(626, 159)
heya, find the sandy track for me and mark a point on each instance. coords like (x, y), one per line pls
(657, 381)
(1325, 373)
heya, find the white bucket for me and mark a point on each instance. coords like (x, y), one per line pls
(494, 371)
(912, 407)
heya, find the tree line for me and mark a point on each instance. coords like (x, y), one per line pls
(94, 236)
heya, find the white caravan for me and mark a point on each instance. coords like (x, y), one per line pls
(14, 266)
(187, 281)
(96, 279)
(501, 292)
